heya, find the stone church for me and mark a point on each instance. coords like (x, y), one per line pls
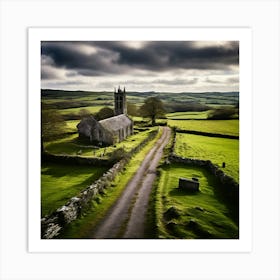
(111, 130)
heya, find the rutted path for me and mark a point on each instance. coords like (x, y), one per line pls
(126, 219)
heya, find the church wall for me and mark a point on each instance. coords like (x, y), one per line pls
(107, 137)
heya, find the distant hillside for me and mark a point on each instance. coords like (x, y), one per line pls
(182, 101)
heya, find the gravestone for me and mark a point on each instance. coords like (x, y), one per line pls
(190, 185)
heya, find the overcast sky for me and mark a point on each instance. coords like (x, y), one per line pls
(170, 66)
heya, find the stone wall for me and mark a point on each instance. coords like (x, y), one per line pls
(77, 160)
(218, 135)
(52, 225)
(173, 135)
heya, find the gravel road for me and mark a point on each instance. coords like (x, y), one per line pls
(127, 216)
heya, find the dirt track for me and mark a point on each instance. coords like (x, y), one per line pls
(126, 218)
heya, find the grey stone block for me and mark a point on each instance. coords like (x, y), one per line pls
(188, 185)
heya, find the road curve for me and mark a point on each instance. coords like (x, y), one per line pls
(126, 218)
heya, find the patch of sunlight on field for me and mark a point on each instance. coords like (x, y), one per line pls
(72, 125)
(61, 182)
(218, 150)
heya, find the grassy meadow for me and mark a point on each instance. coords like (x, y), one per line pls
(61, 182)
(227, 127)
(218, 150)
(188, 115)
(202, 215)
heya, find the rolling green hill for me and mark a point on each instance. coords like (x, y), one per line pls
(59, 99)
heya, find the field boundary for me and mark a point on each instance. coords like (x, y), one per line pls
(209, 134)
(52, 225)
(68, 159)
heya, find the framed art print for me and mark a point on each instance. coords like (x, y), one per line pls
(139, 139)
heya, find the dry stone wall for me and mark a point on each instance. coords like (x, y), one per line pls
(68, 159)
(218, 135)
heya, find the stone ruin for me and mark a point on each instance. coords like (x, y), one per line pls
(190, 185)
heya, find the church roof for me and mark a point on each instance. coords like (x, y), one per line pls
(116, 123)
(89, 121)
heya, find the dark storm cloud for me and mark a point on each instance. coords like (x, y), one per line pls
(160, 56)
(100, 58)
(70, 55)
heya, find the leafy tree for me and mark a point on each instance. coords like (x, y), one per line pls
(84, 113)
(104, 113)
(152, 108)
(53, 126)
(118, 154)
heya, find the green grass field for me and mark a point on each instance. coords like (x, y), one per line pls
(218, 150)
(227, 127)
(61, 182)
(72, 125)
(187, 115)
(91, 109)
(201, 215)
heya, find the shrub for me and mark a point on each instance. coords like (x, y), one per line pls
(222, 114)
(118, 154)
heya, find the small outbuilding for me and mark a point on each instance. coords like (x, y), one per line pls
(191, 185)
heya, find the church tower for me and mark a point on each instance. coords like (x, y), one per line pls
(120, 101)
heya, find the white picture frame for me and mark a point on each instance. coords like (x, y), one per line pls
(261, 261)
(37, 35)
